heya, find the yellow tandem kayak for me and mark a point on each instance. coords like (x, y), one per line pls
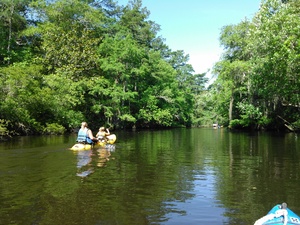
(111, 139)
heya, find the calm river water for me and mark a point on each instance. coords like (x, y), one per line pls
(179, 176)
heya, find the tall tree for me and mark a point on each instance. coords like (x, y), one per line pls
(135, 21)
(71, 32)
(259, 71)
(12, 23)
(233, 69)
(276, 51)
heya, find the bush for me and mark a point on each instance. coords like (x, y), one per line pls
(236, 124)
(296, 125)
(264, 121)
(54, 128)
(4, 132)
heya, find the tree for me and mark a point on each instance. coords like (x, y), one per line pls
(12, 23)
(275, 47)
(134, 21)
(233, 70)
(21, 91)
(71, 33)
(258, 74)
(67, 61)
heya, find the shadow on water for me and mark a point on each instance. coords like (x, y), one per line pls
(179, 176)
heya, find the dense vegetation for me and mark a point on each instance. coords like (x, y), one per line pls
(258, 76)
(66, 61)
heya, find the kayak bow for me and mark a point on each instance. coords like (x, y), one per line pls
(279, 215)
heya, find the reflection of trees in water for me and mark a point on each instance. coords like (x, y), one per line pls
(103, 157)
(84, 159)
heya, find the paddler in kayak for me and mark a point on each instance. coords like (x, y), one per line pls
(85, 135)
(101, 135)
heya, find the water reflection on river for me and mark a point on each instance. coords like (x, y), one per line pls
(179, 176)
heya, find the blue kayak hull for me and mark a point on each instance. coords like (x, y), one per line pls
(292, 218)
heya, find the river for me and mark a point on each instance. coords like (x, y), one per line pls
(168, 177)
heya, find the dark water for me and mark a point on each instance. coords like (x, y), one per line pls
(180, 176)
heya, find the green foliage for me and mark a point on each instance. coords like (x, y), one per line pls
(91, 61)
(236, 124)
(133, 21)
(128, 118)
(62, 62)
(275, 42)
(20, 96)
(12, 22)
(54, 128)
(264, 122)
(4, 128)
(250, 115)
(296, 124)
(260, 67)
(248, 123)
(155, 117)
(207, 110)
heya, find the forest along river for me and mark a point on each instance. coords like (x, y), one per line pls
(177, 176)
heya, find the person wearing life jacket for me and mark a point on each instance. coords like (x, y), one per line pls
(85, 135)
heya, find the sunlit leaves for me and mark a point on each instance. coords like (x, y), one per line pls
(12, 23)
(152, 115)
(21, 91)
(134, 21)
(276, 47)
(93, 61)
(260, 65)
(72, 51)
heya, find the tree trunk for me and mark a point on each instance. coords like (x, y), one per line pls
(10, 32)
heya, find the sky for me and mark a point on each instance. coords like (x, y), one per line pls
(194, 26)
